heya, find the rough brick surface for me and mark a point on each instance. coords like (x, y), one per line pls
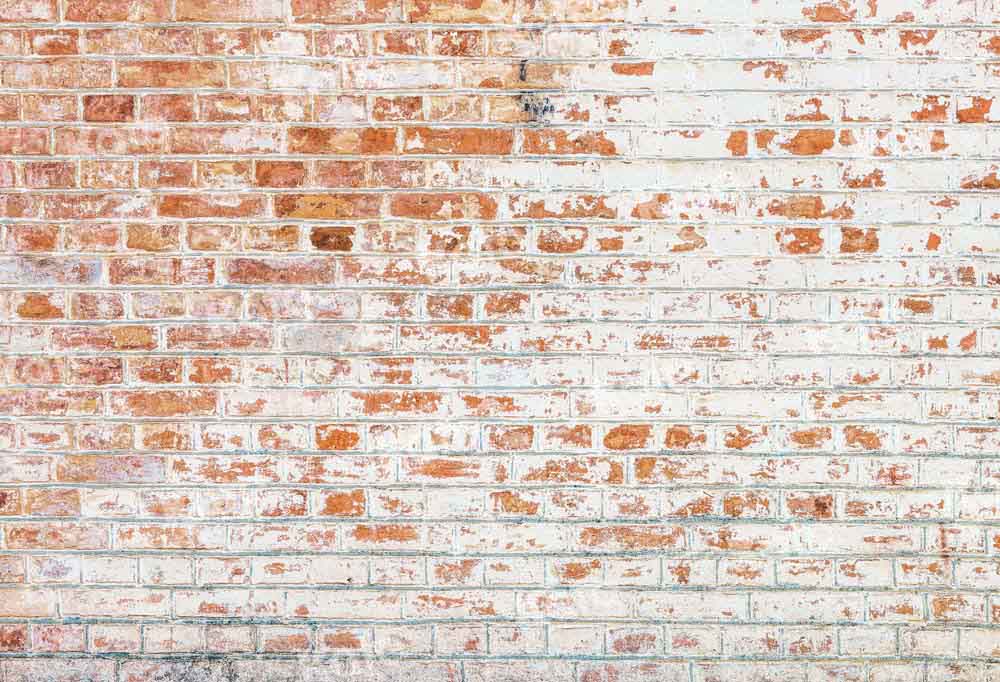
(499, 340)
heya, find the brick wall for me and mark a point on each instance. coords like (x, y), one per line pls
(499, 340)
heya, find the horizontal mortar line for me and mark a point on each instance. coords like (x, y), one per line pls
(367, 554)
(898, 495)
(555, 286)
(478, 491)
(535, 326)
(676, 281)
(548, 221)
(551, 26)
(398, 485)
(639, 292)
(988, 389)
(714, 229)
(511, 91)
(667, 128)
(686, 416)
(420, 484)
(481, 486)
(526, 619)
(312, 190)
(516, 222)
(875, 58)
(558, 287)
(746, 324)
(735, 588)
(729, 590)
(313, 623)
(651, 125)
(887, 161)
(493, 456)
(570, 391)
(583, 356)
(679, 323)
(410, 421)
(749, 190)
(511, 191)
(653, 521)
(513, 222)
(210, 419)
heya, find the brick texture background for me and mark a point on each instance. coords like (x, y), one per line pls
(499, 340)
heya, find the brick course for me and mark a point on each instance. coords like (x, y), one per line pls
(489, 340)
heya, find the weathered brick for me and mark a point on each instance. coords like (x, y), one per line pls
(370, 339)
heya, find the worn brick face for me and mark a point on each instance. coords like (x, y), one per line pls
(489, 340)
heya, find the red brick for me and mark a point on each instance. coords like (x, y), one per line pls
(171, 74)
(108, 108)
